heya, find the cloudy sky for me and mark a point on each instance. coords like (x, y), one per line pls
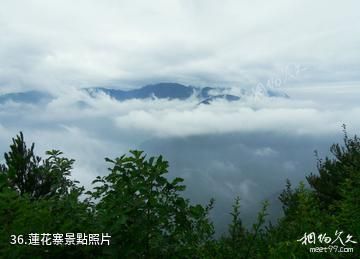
(60, 44)
(306, 49)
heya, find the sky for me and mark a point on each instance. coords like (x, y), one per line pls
(306, 49)
(62, 44)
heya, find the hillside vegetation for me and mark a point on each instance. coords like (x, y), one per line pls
(147, 217)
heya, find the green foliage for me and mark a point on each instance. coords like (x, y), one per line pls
(144, 211)
(23, 216)
(22, 168)
(147, 217)
(37, 196)
(288, 198)
(236, 229)
(28, 174)
(56, 173)
(242, 243)
(334, 171)
(332, 204)
(301, 217)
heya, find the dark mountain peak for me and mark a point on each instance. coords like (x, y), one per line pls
(166, 90)
(163, 85)
(205, 92)
(275, 93)
(227, 97)
(160, 91)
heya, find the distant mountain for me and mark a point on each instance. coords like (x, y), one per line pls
(171, 91)
(30, 97)
(160, 91)
(275, 93)
(227, 97)
(166, 91)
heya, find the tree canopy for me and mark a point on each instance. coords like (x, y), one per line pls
(146, 215)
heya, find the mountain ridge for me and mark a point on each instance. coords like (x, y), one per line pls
(164, 90)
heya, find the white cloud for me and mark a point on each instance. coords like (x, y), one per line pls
(265, 151)
(222, 117)
(61, 44)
